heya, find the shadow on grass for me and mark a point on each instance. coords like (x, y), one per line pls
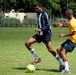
(49, 70)
(20, 68)
(38, 69)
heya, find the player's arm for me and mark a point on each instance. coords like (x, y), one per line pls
(47, 23)
(38, 30)
(69, 34)
(63, 24)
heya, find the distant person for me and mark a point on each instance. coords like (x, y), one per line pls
(12, 11)
(63, 23)
(69, 44)
(43, 35)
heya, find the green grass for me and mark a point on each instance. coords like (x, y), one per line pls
(14, 56)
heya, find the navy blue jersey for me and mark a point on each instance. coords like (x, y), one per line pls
(43, 23)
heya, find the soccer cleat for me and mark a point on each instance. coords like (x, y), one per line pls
(65, 71)
(61, 67)
(36, 61)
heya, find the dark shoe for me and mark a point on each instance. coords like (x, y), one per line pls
(61, 67)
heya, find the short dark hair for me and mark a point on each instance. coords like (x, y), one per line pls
(38, 4)
(70, 11)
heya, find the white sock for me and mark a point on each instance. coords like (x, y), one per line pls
(34, 53)
(66, 65)
(59, 60)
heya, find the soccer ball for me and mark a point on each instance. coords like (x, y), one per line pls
(30, 68)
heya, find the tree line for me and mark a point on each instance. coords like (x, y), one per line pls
(57, 7)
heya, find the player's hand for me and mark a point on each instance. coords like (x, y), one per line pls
(38, 30)
(61, 35)
(60, 24)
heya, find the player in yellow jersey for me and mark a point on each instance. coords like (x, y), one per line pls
(69, 44)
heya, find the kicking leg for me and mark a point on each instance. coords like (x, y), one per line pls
(50, 49)
(31, 49)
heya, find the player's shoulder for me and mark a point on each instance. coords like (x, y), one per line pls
(44, 13)
(74, 19)
(73, 22)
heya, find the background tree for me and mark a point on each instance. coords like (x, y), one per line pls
(72, 5)
(56, 7)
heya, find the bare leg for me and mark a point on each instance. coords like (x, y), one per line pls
(28, 45)
(62, 52)
(50, 49)
(29, 42)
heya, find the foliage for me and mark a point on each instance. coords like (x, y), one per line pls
(54, 6)
(14, 21)
(29, 22)
(54, 23)
(73, 6)
(32, 21)
(1, 15)
(10, 21)
(20, 10)
(4, 21)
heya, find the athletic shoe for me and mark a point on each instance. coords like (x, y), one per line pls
(65, 71)
(36, 61)
(61, 67)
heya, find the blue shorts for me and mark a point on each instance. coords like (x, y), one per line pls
(68, 45)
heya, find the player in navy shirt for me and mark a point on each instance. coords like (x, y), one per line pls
(43, 23)
(43, 35)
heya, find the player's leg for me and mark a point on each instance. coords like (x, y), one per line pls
(64, 49)
(65, 60)
(59, 50)
(48, 43)
(61, 64)
(63, 53)
(29, 42)
(31, 49)
(50, 49)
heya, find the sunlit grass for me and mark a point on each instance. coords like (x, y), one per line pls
(14, 56)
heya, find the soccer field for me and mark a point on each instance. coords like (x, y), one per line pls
(14, 56)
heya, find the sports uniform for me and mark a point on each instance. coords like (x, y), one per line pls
(70, 43)
(43, 24)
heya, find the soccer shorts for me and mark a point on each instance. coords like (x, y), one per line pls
(42, 38)
(68, 45)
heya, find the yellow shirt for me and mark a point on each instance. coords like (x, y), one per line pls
(72, 27)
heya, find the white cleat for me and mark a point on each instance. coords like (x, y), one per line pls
(65, 71)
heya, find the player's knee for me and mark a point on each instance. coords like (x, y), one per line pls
(62, 53)
(26, 44)
(58, 50)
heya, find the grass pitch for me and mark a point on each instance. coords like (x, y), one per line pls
(14, 56)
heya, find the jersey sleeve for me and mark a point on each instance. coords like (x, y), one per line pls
(46, 19)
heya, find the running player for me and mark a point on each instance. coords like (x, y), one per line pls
(69, 44)
(43, 35)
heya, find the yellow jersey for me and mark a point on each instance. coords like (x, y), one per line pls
(72, 27)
